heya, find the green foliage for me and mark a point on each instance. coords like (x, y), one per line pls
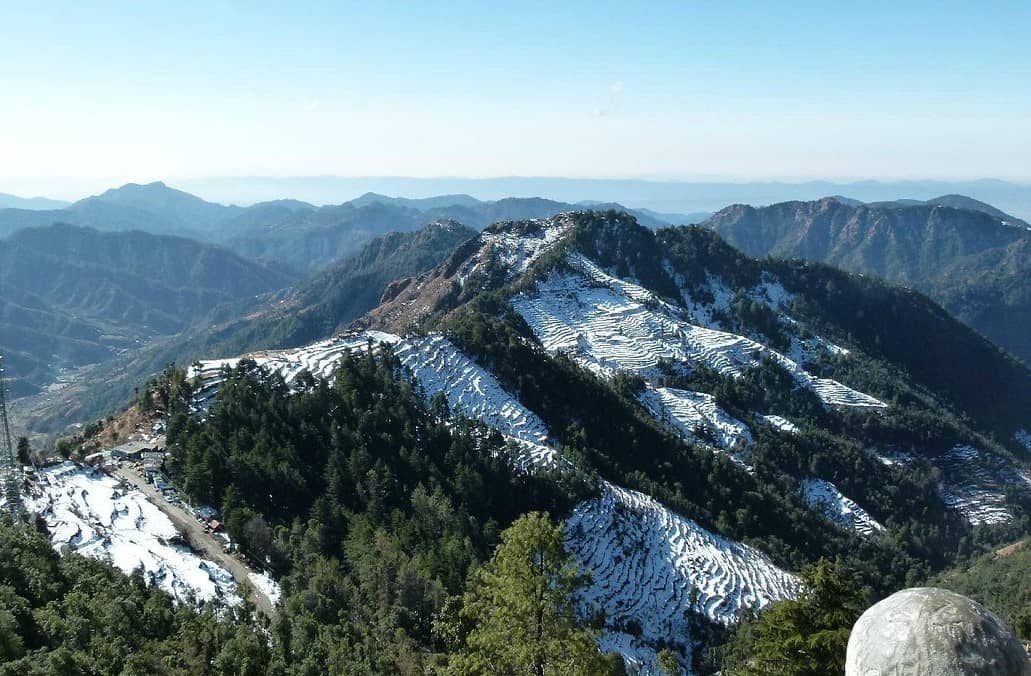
(669, 662)
(803, 637)
(24, 450)
(1000, 580)
(521, 608)
(73, 615)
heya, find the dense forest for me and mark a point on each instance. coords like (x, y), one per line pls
(377, 510)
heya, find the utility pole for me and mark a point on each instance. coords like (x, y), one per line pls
(10, 469)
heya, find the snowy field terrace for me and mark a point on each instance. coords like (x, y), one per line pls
(95, 515)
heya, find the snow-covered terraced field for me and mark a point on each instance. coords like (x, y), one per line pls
(652, 565)
(695, 415)
(771, 293)
(975, 484)
(610, 325)
(779, 423)
(96, 516)
(826, 497)
(440, 367)
(319, 359)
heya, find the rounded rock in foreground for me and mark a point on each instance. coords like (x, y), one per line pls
(926, 631)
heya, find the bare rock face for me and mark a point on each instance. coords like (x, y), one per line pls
(926, 631)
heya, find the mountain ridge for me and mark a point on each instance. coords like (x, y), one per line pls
(953, 255)
(718, 399)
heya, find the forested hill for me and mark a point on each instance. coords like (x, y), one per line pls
(972, 260)
(71, 296)
(318, 307)
(734, 420)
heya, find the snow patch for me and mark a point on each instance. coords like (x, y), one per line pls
(95, 515)
(778, 423)
(264, 583)
(826, 497)
(697, 416)
(517, 252)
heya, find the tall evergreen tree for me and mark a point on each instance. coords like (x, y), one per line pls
(803, 637)
(522, 608)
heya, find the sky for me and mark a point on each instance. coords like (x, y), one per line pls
(113, 92)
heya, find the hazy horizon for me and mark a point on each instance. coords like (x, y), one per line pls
(670, 196)
(677, 91)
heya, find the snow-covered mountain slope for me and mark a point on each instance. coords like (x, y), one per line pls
(975, 483)
(646, 313)
(825, 496)
(651, 567)
(779, 423)
(610, 325)
(697, 416)
(94, 515)
(439, 367)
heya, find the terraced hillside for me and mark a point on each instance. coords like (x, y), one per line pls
(734, 427)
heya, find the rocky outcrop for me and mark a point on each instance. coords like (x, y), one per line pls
(926, 631)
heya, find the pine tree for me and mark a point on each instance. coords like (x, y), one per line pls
(522, 609)
(803, 637)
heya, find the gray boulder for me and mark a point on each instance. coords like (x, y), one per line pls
(932, 632)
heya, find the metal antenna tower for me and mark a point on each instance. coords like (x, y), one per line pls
(10, 470)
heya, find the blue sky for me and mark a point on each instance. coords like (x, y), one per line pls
(141, 91)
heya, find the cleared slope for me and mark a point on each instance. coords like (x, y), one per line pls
(93, 515)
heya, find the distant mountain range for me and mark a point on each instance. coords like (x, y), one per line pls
(71, 296)
(972, 258)
(968, 255)
(666, 196)
(15, 202)
(302, 236)
(305, 311)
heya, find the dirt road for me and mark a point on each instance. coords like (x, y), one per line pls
(208, 544)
